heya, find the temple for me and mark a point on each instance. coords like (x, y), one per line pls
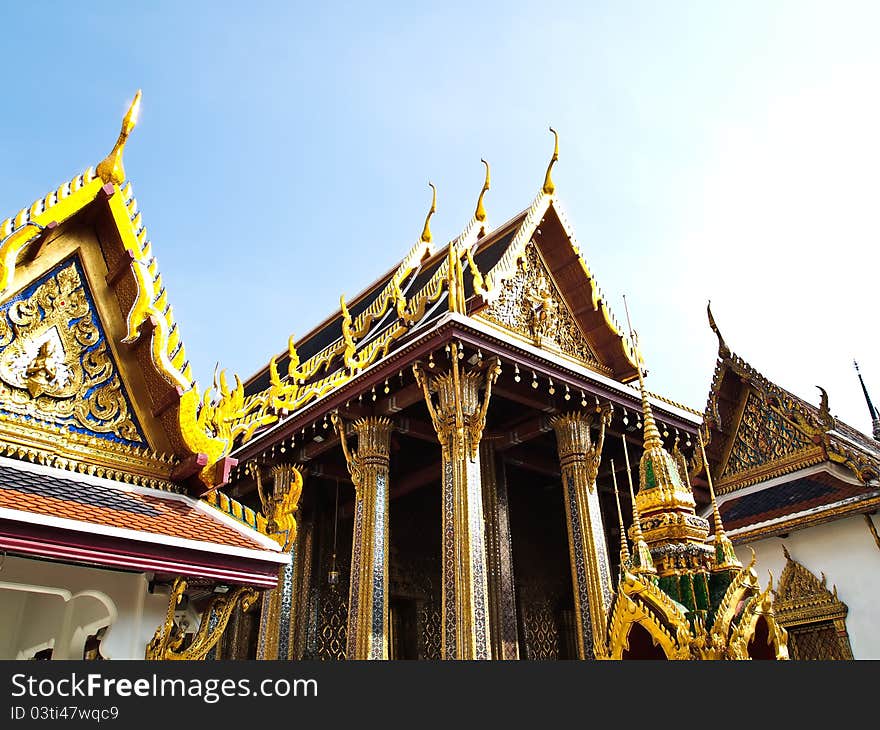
(464, 461)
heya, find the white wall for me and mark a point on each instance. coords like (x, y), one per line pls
(846, 552)
(32, 590)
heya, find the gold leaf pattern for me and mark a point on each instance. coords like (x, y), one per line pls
(529, 303)
(55, 366)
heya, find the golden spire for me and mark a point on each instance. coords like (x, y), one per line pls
(426, 231)
(624, 548)
(549, 187)
(480, 215)
(722, 345)
(725, 557)
(111, 169)
(651, 432)
(643, 562)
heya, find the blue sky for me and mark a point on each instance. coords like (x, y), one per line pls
(708, 150)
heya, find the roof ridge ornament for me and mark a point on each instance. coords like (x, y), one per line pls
(549, 187)
(824, 411)
(111, 169)
(723, 349)
(426, 231)
(875, 417)
(480, 213)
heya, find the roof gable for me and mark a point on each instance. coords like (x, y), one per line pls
(758, 430)
(178, 432)
(541, 278)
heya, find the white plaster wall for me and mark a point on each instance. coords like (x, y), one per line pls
(11, 609)
(137, 612)
(846, 552)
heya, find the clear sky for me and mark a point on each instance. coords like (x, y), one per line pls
(708, 150)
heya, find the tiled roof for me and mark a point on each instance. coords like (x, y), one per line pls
(108, 504)
(797, 495)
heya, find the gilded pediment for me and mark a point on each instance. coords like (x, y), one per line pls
(530, 304)
(56, 367)
(763, 436)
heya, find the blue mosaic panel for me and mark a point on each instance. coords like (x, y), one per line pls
(56, 366)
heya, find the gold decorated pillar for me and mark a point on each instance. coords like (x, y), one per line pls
(459, 418)
(579, 458)
(368, 586)
(275, 637)
(499, 554)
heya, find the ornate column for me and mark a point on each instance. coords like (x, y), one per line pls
(275, 639)
(499, 554)
(579, 459)
(303, 583)
(459, 419)
(368, 587)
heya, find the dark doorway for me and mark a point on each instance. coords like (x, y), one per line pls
(641, 645)
(403, 636)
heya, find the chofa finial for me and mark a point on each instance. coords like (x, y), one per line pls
(480, 214)
(549, 187)
(426, 231)
(723, 349)
(110, 169)
(824, 411)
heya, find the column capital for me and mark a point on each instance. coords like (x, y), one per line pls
(459, 408)
(574, 438)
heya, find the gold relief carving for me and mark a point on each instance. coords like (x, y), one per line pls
(760, 607)
(543, 308)
(641, 602)
(575, 443)
(814, 616)
(529, 303)
(170, 636)
(459, 411)
(279, 506)
(55, 366)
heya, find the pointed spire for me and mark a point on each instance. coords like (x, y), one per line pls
(725, 557)
(549, 187)
(110, 169)
(426, 231)
(624, 548)
(480, 213)
(642, 562)
(875, 419)
(723, 349)
(651, 432)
